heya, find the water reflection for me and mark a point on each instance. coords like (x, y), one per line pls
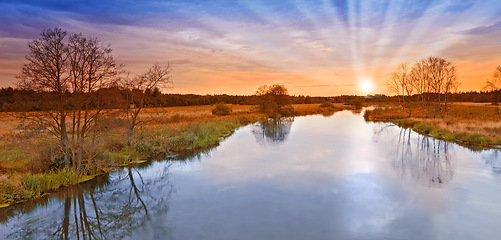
(328, 179)
(113, 210)
(493, 159)
(273, 130)
(422, 158)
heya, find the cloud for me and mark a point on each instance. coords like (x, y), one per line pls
(223, 45)
(485, 30)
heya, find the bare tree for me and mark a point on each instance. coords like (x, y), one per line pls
(421, 82)
(494, 86)
(68, 74)
(47, 71)
(92, 67)
(449, 86)
(157, 76)
(401, 84)
(442, 76)
(434, 80)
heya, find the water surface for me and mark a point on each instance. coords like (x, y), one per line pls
(311, 177)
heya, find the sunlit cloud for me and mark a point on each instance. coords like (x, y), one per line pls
(235, 46)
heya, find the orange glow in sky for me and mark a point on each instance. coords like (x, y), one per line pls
(318, 48)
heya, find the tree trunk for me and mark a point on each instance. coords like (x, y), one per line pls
(64, 139)
(133, 123)
(129, 135)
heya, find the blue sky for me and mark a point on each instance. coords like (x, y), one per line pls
(312, 47)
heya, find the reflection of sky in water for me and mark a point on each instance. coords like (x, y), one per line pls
(316, 185)
(335, 177)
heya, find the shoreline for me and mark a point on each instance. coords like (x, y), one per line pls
(432, 128)
(185, 138)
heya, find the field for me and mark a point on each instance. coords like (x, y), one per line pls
(27, 158)
(475, 124)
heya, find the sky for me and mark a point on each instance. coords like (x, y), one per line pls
(313, 47)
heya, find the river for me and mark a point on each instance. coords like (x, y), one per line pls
(313, 177)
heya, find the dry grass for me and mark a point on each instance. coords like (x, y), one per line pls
(24, 156)
(7, 123)
(308, 109)
(470, 118)
(472, 126)
(16, 159)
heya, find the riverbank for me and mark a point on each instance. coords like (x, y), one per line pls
(473, 125)
(170, 131)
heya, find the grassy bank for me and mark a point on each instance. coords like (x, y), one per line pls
(25, 158)
(107, 155)
(475, 126)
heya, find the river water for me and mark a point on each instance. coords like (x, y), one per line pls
(314, 177)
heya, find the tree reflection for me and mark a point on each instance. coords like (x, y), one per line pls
(273, 130)
(424, 159)
(110, 212)
(493, 159)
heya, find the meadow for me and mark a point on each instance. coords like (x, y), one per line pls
(27, 161)
(474, 125)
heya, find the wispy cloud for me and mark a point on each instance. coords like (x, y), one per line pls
(235, 46)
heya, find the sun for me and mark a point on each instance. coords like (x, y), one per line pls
(365, 85)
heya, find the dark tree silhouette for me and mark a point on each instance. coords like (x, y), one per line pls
(47, 70)
(67, 74)
(141, 86)
(494, 86)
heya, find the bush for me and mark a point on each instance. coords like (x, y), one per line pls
(274, 101)
(48, 155)
(8, 190)
(287, 111)
(221, 109)
(424, 128)
(327, 104)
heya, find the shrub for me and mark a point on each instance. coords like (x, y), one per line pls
(221, 109)
(424, 128)
(48, 155)
(274, 101)
(327, 104)
(7, 191)
(175, 118)
(287, 111)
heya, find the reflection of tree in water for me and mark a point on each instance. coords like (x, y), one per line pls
(110, 212)
(426, 160)
(328, 113)
(274, 130)
(493, 158)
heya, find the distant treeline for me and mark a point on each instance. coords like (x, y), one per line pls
(27, 100)
(471, 96)
(24, 100)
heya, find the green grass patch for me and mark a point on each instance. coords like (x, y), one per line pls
(113, 151)
(35, 185)
(8, 191)
(14, 160)
(38, 184)
(466, 139)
